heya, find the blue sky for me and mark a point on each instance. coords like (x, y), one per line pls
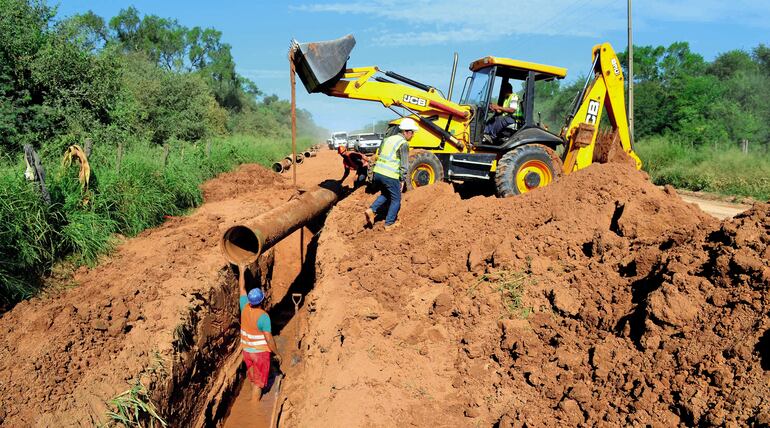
(418, 38)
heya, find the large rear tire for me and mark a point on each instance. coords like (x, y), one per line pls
(526, 168)
(424, 169)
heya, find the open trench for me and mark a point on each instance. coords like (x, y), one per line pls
(292, 277)
(208, 386)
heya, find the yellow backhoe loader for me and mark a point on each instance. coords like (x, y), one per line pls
(453, 146)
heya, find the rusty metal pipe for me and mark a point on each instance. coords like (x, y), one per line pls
(242, 244)
(282, 166)
(300, 158)
(307, 153)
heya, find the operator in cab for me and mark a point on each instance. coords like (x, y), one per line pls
(503, 114)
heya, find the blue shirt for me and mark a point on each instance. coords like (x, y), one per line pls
(263, 324)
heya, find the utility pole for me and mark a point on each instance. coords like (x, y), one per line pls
(293, 117)
(630, 77)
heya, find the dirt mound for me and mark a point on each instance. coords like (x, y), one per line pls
(598, 300)
(137, 316)
(244, 181)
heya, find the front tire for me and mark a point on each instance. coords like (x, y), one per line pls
(526, 168)
(424, 169)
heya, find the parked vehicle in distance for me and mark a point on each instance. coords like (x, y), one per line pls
(339, 139)
(352, 141)
(368, 142)
(329, 143)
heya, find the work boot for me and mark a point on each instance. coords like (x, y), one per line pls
(389, 227)
(369, 214)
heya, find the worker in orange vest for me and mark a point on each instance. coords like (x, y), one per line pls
(354, 161)
(256, 336)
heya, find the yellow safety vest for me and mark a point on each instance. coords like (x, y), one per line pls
(513, 98)
(388, 160)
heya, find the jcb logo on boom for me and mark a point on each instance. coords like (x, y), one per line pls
(411, 99)
(615, 67)
(593, 112)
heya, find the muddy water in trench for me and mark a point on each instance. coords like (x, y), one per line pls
(293, 272)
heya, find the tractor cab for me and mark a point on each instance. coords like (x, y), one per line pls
(486, 86)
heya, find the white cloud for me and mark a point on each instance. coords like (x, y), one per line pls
(430, 22)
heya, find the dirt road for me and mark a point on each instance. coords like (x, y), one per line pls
(719, 209)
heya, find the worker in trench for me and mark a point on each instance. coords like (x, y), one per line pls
(257, 341)
(353, 161)
(390, 173)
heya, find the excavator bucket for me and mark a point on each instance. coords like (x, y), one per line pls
(321, 64)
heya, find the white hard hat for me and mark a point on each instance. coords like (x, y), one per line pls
(408, 124)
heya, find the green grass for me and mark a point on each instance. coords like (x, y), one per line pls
(511, 286)
(133, 408)
(722, 169)
(80, 226)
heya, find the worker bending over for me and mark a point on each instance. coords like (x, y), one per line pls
(390, 172)
(256, 338)
(353, 161)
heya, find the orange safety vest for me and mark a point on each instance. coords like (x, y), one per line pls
(251, 336)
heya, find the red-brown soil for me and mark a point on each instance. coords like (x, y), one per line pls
(161, 309)
(600, 300)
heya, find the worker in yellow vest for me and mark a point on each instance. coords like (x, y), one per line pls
(504, 115)
(256, 336)
(390, 172)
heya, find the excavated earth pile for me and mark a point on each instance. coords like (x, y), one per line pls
(599, 300)
(161, 310)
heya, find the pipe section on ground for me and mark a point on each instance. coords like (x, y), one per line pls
(300, 158)
(242, 244)
(282, 166)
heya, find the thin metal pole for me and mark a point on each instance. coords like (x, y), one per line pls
(630, 77)
(293, 118)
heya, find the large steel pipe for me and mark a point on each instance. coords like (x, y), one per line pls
(242, 244)
(282, 166)
(300, 158)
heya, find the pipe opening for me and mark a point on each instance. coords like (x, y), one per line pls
(240, 245)
(277, 167)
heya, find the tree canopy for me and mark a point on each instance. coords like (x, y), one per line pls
(131, 76)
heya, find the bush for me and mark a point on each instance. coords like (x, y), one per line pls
(715, 168)
(79, 226)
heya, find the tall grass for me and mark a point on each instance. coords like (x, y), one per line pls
(126, 198)
(722, 169)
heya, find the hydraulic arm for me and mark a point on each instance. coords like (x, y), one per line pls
(604, 91)
(447, 121)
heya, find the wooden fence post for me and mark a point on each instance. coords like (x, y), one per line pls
(88, 146)
(119, 157)
(165, 154)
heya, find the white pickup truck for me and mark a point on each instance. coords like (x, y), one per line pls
(368, 143)
(338, 139)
